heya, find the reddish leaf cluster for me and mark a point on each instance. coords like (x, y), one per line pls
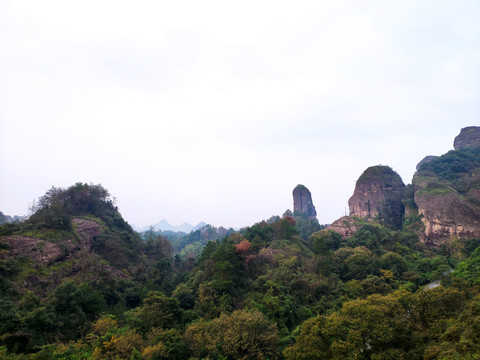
(243, 246)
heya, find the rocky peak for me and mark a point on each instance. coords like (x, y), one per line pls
(379, 188)
(302, 201)
(468, 137)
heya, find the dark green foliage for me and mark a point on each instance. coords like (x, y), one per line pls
(8, 316)
(454, 164)
(328, 296)
(9, 229)
(259, 234)
(469, 246)
(393, 262)
(408, 197)
(373, 237)
(306, 225)
(392, 213)
(189, 245)
(157, 311)
(74, 306)
(381, 172)
(453, 172)
(325, 242)
(470, 268)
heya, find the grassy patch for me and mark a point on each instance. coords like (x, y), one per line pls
(435, 188)
(50, 234)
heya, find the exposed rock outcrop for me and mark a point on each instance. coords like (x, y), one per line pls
(47, 252)
(378, 191)
(446, 216)
(468, 137)
(302, 201)
(345, 226)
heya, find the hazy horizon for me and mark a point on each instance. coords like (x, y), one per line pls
(211, 111)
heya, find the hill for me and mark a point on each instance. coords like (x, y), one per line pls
(72, 260)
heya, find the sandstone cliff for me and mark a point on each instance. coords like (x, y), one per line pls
(378, 192)
(302, 201)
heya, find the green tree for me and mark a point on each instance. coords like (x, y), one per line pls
(241, 335)
(158, 311)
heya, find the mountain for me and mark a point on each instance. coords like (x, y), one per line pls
(164, 225)
(4, 219)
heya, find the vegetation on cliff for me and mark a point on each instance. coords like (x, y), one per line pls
(381, 172)
(455, 169)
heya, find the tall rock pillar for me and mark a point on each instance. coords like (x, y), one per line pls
(378, 191)
(302, 201)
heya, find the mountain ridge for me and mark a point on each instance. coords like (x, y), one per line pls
(164, 225)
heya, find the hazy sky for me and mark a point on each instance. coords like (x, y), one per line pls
(215, 110)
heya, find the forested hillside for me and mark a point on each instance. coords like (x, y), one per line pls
(78, 283)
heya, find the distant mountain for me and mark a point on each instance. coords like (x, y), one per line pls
(164, 225)
(8, 219)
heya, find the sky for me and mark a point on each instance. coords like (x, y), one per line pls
(214, 111)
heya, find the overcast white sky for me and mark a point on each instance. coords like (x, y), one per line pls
(215, 110)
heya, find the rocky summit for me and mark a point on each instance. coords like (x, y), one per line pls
(377, 190)
(468, 137)
(302, 201)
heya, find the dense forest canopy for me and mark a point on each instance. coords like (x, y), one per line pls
(284, 288)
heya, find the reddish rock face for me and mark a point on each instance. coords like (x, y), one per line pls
(379, 187)
(302, 201)
(468, 137)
